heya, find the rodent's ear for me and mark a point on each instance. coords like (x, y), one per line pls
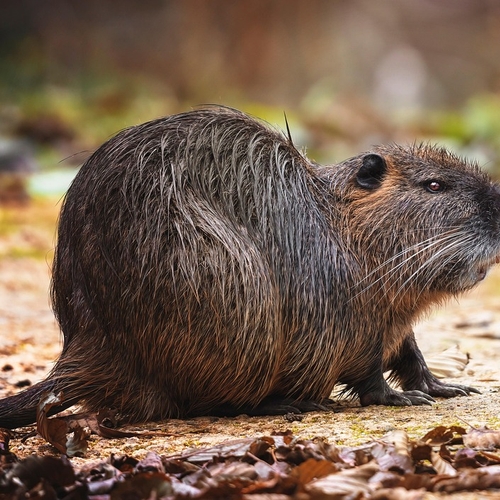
(372, 171)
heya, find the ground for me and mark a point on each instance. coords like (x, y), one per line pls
(30, 341)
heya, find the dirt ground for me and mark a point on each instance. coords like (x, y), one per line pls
(30, 341)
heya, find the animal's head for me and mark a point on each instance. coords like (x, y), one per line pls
(422, 218)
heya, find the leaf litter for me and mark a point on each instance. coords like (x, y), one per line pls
(275, 467)
(69, 434)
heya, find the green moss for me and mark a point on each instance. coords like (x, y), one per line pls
(359, 430)
(29, 231)
(25, 252)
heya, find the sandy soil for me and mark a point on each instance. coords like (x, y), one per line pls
(30, 341)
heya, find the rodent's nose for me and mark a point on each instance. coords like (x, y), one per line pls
(495, 195)
(493, 209)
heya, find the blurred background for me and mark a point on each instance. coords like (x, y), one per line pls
(348, 74)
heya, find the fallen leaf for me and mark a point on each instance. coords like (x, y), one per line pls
(143, 485)
(449, 363)
(491, 457)
(469, 480)
(4, 441)
(421, 451)
(443, 435)
(57, 471)
(77, 442)
(151, 463)
(441, 465)
(313, 469)
(52, 430)
(55, 430)
(232, 470)
(236, 448)
(469, 458)
(400, 440)
(352, 482)
(482, 438)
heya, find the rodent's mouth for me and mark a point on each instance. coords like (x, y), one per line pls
(483, 269)
(481, 273)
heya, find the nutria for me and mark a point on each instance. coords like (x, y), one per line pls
(205, 266)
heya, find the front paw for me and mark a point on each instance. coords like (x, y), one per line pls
(435, 387)
(395, 398)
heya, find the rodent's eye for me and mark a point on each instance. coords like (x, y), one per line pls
(434, 186)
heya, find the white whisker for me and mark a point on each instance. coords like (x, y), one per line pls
(416, 250)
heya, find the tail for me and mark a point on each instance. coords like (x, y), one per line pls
(20, 410)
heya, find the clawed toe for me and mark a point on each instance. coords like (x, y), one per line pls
(396, 398)
(418, 398)
(440, 389)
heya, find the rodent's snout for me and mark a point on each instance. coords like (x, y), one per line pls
(495, 191)
(490, 205)
(494, 217)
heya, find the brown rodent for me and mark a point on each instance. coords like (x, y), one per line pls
(205, 266)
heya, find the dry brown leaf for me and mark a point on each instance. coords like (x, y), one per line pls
(151, 463)
(313, 469)
(4, 441)
(52, 430)
(468, 480)
(441, 465)
(265, 471)
(482, 438)
(88, 420)
(468, 458)
(34, 471)
(492, 469)
(76, 444)
(491, 457)
(417, 481)
(392, 461)
(392, 453)
(400, 440)
(442, 435)
(55, 430)
(236, 448)
(266, 496)
(449, 363)
(421, 451)
(353, 482)
(104, 423)
(258, 448)
(232, 470)
(143, 485)
(385, 479)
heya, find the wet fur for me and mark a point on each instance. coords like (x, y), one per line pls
(203, 261)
